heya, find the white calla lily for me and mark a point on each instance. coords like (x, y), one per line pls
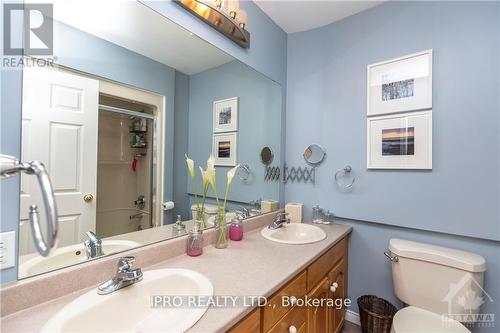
(204, 177)
(231, 173)
(211, 173)
(190, 165)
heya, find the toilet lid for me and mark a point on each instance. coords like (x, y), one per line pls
(415, 320)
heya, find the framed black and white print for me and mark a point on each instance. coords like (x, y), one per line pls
(400, 141)
(400, 85)
(224, 149)
(225, 115)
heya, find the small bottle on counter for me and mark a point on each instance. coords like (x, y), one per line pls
(194, 245)
(236, 229)
(178, 225)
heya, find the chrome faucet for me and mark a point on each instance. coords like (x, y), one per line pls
(93, 245)
(136, 216)
(243, 211)
(125, 276)
(280, 218)
(140, 202)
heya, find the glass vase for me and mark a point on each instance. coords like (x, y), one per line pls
(221, 236)
(200, 218)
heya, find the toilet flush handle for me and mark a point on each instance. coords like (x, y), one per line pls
(391, 257)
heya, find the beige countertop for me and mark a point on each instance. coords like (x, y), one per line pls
(255, 266)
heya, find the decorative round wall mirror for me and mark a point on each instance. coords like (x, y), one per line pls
(314, 154)
(266, 155)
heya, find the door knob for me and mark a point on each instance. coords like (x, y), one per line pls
(334, 287)
(292, 329)
(88, 198)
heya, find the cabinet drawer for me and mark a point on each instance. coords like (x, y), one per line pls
(295, 317)
(251, 324)
(325, 263)
(274, 310)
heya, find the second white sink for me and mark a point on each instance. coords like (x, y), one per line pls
(67, 256)
(294, 233)
(131, 309)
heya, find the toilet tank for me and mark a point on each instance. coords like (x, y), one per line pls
(438, 279)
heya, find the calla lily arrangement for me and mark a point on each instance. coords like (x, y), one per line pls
(209, 181)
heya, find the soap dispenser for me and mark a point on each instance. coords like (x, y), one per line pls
(236, 229)
(179, 226)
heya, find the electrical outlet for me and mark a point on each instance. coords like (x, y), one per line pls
(7, 249)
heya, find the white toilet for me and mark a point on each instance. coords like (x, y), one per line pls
(433, 281)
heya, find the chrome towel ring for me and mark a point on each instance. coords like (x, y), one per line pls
(341, 173)
(244, 173)
(11, 166)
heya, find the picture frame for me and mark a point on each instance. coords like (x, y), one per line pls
(225, 149)
(225, 115)
(400, 141)
(400, 85)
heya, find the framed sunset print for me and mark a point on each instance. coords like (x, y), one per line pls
(225, 115)
(401, 141)
(400, 85)
(224, 149)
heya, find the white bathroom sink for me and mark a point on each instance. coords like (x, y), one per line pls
(69, 255)
(295, 233)
(130, 309)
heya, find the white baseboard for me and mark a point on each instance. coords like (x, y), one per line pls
(352, 317)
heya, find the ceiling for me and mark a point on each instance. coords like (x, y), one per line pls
(295, 16)
(134, 26)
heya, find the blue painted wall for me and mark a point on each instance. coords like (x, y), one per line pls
(10, 135)
(327, 105)
(181, 124)
(457, 203)
(259, 118)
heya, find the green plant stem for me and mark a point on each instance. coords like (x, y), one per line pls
(225, 197)
(193, 189)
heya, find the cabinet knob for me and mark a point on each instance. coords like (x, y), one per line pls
(292, 329)
(334, 287)
(293, 300)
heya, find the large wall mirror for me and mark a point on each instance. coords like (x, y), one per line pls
(129, 94)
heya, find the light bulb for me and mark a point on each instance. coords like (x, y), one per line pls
(242, 19)
(233, 7)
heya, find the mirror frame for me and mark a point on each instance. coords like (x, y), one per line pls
(314, 164)
(271, 158)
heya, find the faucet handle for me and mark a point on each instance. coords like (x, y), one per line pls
(281, 215)
(125, 264)
(92, 237)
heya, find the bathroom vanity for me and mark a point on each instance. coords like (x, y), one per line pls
(325, 278)
(254, 266)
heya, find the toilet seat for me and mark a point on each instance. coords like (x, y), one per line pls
(416, 320)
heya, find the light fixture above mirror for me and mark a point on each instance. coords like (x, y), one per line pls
(222, 15)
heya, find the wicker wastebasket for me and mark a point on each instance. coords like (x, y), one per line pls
(376, 314)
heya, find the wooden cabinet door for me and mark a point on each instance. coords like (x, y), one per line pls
(251, 324)
(338, 292)
(318, 316)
